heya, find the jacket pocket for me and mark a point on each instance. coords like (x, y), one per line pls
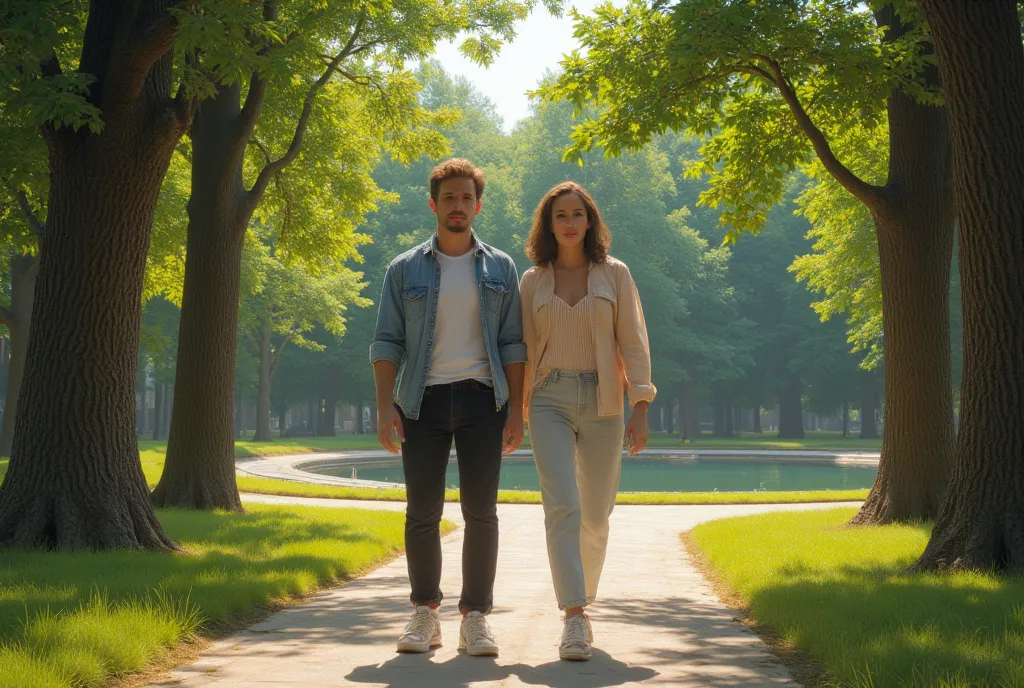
(494, 295)
(415, 301)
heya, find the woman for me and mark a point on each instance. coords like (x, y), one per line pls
(586, 347)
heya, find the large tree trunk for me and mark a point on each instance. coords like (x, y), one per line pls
(721, 428)
(75, 480)
(981, 523)
(263, 391)
(868, 404)
(199, 472)
(669, 421)
(846, 419)
(689, 413)
(914, 225)
(757, 420)
(24, 270)
(654, 415)
(325, 418)
(791, 426)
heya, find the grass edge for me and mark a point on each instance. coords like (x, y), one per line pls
(190, 648)
(804, 669)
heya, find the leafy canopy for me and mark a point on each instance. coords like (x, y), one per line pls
(753, 78)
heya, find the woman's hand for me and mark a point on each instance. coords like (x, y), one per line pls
(636, 429)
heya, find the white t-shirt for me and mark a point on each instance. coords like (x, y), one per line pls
(459, 351)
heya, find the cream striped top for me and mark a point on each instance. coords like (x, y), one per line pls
(571, 344)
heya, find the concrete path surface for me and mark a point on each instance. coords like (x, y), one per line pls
(656, 621)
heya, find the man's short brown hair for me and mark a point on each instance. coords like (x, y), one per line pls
(456, 168)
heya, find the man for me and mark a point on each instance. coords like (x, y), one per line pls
(448, 359)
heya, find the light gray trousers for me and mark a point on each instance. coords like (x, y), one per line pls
(579, 460)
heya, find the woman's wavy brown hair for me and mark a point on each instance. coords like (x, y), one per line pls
(541, 245)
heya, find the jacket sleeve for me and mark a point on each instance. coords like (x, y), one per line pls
(631, 335)
(511, 348)
(529, 330)
(389, 334)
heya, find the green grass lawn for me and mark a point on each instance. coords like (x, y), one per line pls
(843, 595)
(152, 456)
(75, 619)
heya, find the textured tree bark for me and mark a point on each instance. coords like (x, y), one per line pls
(75, 480)
(981, 522)
(868, 404)
(915, 250)
(791, 425)
(24, 270)
(263, 392)
(236, 418)
(914, 227)
(199, 472)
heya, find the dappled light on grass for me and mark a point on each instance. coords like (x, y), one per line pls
(844, 595)
(74, 619)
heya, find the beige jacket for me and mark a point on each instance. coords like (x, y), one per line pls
(620, 333)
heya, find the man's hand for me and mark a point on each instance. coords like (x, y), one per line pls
(512, 437)
(389, 423)
(636, 429)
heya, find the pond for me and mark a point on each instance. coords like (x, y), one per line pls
(663, 473)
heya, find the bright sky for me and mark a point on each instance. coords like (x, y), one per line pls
(541, 41)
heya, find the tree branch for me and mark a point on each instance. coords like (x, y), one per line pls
(38, 226)
(252, 341)
(185, 105)
(144, 51)
(263, 149)
(869, 194)
(273, 168)
(279, 350)
(253, 106)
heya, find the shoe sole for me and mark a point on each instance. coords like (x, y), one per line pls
(574, 656)
(479, 651)
(409, 648)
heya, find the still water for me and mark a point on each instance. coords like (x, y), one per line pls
(666, 473)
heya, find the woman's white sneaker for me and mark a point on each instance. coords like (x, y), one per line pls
(475, 636)
(576, 639)
(422, 633)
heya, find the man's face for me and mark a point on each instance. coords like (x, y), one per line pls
(456, 204)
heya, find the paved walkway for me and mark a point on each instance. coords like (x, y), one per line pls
(656, 622)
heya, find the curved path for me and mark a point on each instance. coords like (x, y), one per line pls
(656, 623)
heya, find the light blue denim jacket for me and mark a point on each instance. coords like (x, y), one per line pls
(408, 311)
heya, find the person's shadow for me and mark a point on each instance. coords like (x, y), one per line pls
(462, 671)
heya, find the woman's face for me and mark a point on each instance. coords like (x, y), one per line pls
(569, 221)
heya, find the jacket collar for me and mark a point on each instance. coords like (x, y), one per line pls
(600, 283)
(478, 247)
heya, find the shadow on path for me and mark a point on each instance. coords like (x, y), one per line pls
(462, 671)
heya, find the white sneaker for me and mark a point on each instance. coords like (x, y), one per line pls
(422, 633)
(576, 638)
(475, 636)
